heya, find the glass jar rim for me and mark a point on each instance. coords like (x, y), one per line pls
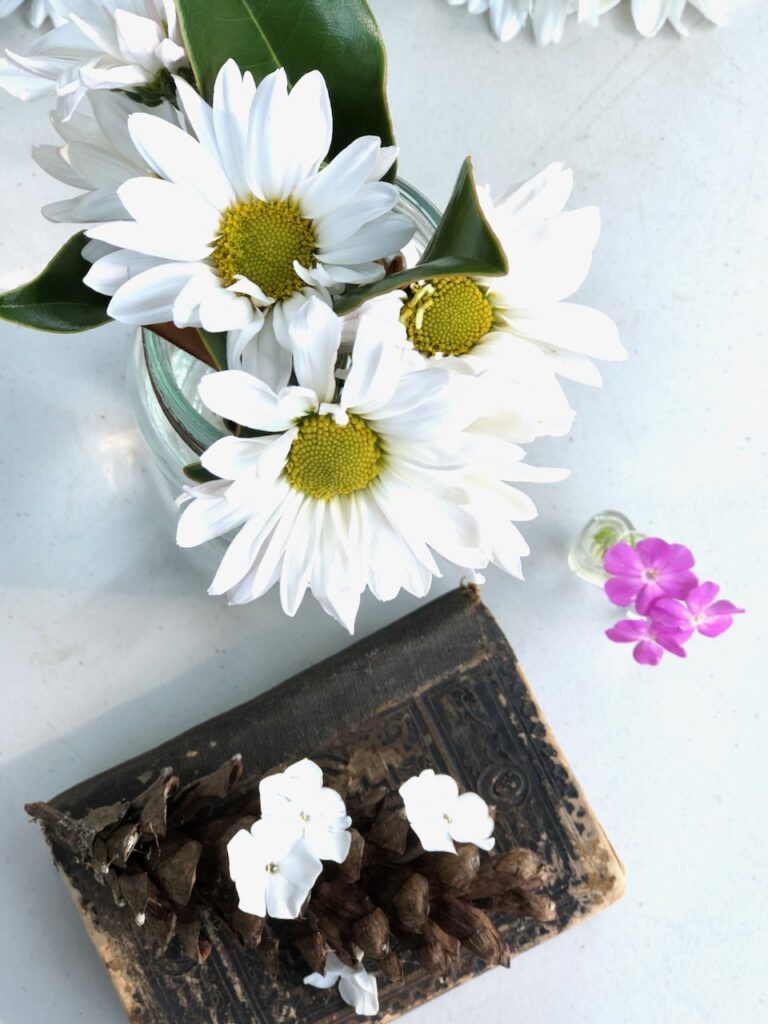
(194, 429)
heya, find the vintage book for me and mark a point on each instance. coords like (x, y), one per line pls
(441, 688)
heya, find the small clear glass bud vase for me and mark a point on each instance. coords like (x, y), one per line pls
(601, 532)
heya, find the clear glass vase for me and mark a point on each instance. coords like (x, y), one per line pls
(601, 532)
(162, 380)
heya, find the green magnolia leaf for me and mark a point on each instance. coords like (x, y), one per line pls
(338, 37)
(195, 472)
(216, 345)
(463, 243)
(58, 300)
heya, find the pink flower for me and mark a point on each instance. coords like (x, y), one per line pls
(650, 639)
(652, 570)
(699, 611)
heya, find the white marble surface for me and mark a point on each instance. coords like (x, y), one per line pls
(109, 644)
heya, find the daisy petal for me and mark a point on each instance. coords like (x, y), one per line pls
(148, 298)
(315, 334)
(341, 179)
(309, 109)
(238, 396)
(574, 328)
(232, 457)
(374, 240)
(263, 356)
(178, 157)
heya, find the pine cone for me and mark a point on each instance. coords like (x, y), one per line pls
(456, 872)
(473, 928)
(163, 856)
(411, 903)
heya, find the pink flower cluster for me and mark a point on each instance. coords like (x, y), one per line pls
(657, 578)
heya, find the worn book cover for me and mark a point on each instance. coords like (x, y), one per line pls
(440, 689)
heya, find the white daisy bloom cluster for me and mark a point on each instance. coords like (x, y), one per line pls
(97, 157)
(241, 220)
(516, 331)
(129, 45)
(366, 450)
(355, 484)
(385, 441)
(548, 17)
(650, 16)
(38, 12)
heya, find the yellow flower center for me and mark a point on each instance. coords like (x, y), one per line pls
(326, 459)
(260, 240)
(448, 315)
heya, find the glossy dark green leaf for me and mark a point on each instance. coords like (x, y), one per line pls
(195, 472)
(216, 346)
(58, 300)
(338, 37)
(463, 243)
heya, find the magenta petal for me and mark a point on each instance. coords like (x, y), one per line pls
(647, 653)
(622, 590)
(654, 552)
(622, 560)
(716, 626)
(668, 612)
(702, 596)
(627, 631)
(678, 584)
(673, 643)
(680, 557)
(724, 608)
(648, 596)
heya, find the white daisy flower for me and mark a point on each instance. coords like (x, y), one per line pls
(353, 491)
(38, 11)
(516, 329)
(298, 795)
(440, 816)
(357, 987)
(131, 45)
(356, 492)
(548, 17)
(651, 15)
(244, 223)
(272, 868)
(97, 157)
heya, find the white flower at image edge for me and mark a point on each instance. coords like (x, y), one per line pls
(104, 44)
(299, 796)
(98, 156)
(440, 816)
(37, 11)
(548, 17)
(242, 222)
(272, 868)
(650, 16)
(357, 987)
(549, 250)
